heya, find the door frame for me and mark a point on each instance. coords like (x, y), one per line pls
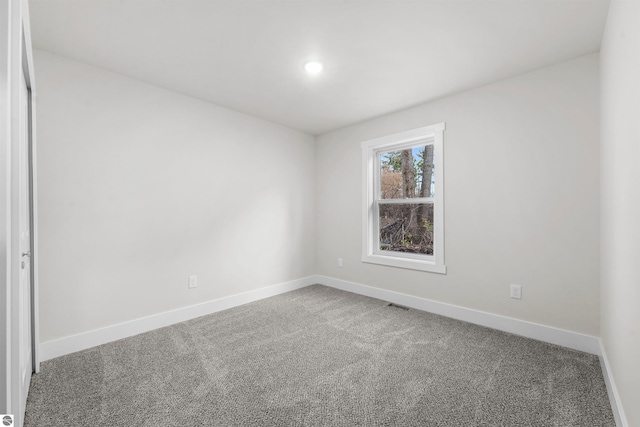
(27, 69)
(16, 58)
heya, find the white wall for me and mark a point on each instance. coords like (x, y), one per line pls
(521, 204)
(141, 187)
(620, 188)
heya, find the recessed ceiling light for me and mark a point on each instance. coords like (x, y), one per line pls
(313, 67)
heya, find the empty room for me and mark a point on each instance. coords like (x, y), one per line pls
(320, 213)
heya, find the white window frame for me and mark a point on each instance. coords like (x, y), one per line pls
(371, 252)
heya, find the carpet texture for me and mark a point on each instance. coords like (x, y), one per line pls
(321, 357)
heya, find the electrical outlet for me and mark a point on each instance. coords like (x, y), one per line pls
(340, 262)
(516, 292)
(193, 282)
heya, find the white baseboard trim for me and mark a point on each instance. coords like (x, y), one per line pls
(612, 391)
(71, 344)
(85, 340)
(573, 340)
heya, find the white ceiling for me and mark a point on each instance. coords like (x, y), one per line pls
(380, 56)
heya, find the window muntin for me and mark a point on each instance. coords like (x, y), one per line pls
(403, 213)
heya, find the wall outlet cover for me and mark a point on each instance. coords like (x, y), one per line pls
(193, 281)
(516, 292)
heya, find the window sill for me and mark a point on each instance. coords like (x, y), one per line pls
(412, 264)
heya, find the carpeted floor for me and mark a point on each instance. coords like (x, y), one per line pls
(321, 357)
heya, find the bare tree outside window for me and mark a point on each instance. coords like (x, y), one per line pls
(406, 226)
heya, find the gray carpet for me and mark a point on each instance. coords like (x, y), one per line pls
(321, 357)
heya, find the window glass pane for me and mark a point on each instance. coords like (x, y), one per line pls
(403, 172)
(406, 227)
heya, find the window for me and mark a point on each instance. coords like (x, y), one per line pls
(403, 210)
